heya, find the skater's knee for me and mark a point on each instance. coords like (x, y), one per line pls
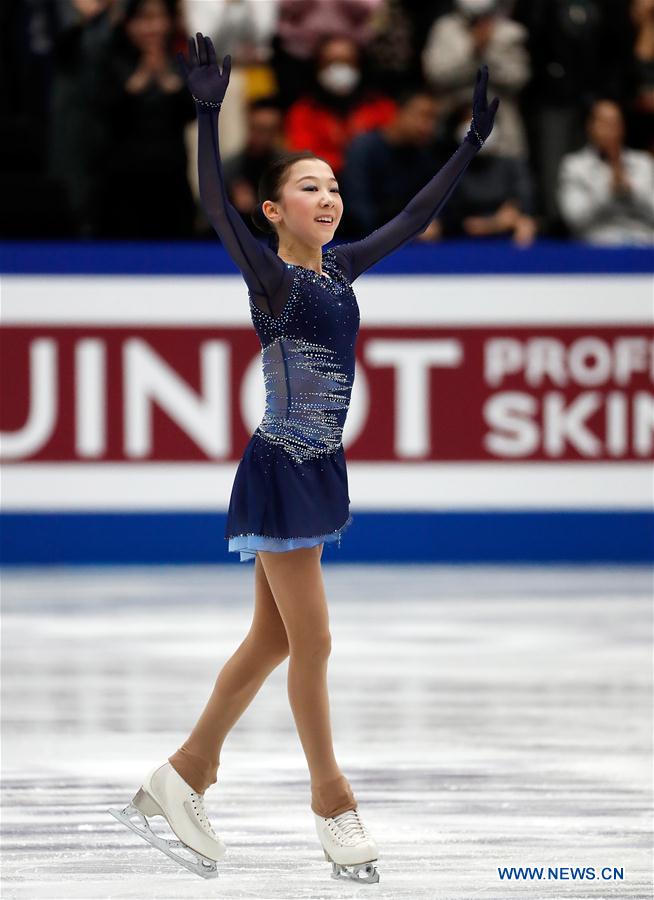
(312, 648)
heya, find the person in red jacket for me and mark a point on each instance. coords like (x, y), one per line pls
(338, 106)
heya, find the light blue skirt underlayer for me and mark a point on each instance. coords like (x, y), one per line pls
(248, 544)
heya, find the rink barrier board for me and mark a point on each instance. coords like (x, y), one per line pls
(547, 535)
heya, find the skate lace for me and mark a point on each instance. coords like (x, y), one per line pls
(198, 806)
(351, 825)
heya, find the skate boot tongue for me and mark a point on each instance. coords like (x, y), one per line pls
(351, 825)
(197, 801)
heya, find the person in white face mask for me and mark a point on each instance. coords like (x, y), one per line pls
(338, 105)
(339, 77)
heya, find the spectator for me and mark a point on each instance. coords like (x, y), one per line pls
(495, 199)
(606, 191)
(144, 191)
(84, 30)
(574, 49)
(43, 69)
(423, 14)
(387, 166)
(303, 26)
(394, 63)
(242, 28)
(459, 42)
(263, 144)
(338, 106)
(640, 102)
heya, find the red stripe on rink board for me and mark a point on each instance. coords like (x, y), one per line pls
(548, 393)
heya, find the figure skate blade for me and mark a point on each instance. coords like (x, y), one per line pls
(199, 865)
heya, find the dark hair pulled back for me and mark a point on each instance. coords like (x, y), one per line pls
(270, 188)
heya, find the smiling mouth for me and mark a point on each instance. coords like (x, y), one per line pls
(324, 223)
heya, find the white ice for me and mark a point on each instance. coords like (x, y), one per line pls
(485, 717)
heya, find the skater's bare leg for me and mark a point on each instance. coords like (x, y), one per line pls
(263, 649)
(295, 578)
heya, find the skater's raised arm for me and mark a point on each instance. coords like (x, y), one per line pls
(262, 269)
(358, 256)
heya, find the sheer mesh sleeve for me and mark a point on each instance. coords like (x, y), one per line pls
(358, 256)
(262, 269)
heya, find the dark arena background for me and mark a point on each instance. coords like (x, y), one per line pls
(491, 603)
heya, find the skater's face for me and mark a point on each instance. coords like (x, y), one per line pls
(310, 191)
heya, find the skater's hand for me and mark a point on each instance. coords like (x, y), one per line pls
(204, 79)
(483, 115)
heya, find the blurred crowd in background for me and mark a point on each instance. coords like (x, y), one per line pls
(99, 135)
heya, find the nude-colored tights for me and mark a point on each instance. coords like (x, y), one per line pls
(290, 620)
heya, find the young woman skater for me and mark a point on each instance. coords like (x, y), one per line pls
(290, 493)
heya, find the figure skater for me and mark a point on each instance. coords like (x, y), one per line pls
(290, 492)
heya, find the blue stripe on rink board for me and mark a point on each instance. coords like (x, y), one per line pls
(605, 536)
(491, 256)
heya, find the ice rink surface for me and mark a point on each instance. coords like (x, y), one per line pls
(485, 717)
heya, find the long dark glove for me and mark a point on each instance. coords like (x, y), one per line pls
(262, 269)
(204, 79)
(483, 115)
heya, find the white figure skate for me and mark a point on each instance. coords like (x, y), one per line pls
(165, 793)
(348, 845)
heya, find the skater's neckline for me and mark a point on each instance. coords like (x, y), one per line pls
(306, 269)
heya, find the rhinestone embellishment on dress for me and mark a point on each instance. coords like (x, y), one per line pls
(308, 384)
(305, 387)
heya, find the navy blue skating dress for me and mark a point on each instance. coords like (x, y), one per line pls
(291, 489)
